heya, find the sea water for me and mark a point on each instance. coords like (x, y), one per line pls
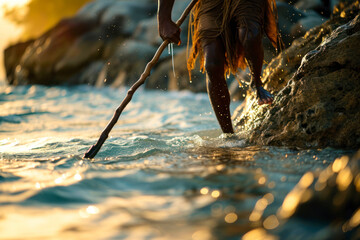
(166, 171)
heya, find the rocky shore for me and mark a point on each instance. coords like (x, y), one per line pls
(316, 82)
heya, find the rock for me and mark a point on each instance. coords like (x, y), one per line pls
(147, 31)
(39, 59)
(89, 75)
(317, 103)
(108, 10)
(84, 50)
(62, 53)
(127, 64)
(12, 57)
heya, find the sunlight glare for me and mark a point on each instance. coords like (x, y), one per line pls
(9, 4)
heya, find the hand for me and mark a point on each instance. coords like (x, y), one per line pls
(168, 30)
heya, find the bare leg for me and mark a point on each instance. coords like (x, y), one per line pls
(216, 84)
(251, 40)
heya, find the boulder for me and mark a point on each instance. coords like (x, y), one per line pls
(127, 64)
(37, 65)
(317, 80)
(65, 51)
(12, 57)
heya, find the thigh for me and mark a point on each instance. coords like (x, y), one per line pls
(214, 51)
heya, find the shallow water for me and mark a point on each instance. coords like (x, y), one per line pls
(166, 172)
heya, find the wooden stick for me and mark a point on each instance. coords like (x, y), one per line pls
(91, 153)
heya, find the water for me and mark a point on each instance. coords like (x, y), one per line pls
(166, 172)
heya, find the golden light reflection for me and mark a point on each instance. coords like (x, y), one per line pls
(10, 4)
(220, 167)
(255, 216)
(92, 210)
(269, 197)
(289, 205)
(259, 208)
(355, 219)
(344, 179)
(299, 194)
(357, 182)
(87, 212)
(340, 163)
(306, 180)
(258, 234)
(215, 194)
(203, 234)
(77, 177)
(231, 217)
(262, 180)
(204, 190)
(271, 222)
(354, 222)
(261, 204)
(323, 177)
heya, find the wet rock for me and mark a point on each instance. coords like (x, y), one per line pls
(12, 57)
(127, 64)
(38, 61)
(90, 73)
(64, 52)
(147, 31)
(317, 80)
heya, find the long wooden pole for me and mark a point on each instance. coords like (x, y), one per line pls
(94, 149)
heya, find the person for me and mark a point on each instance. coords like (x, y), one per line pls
(226, 35)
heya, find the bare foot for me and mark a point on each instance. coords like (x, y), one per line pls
(264, 97)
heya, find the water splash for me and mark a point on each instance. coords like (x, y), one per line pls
(171, 51)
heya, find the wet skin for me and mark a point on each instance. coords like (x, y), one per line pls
(214, 53)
